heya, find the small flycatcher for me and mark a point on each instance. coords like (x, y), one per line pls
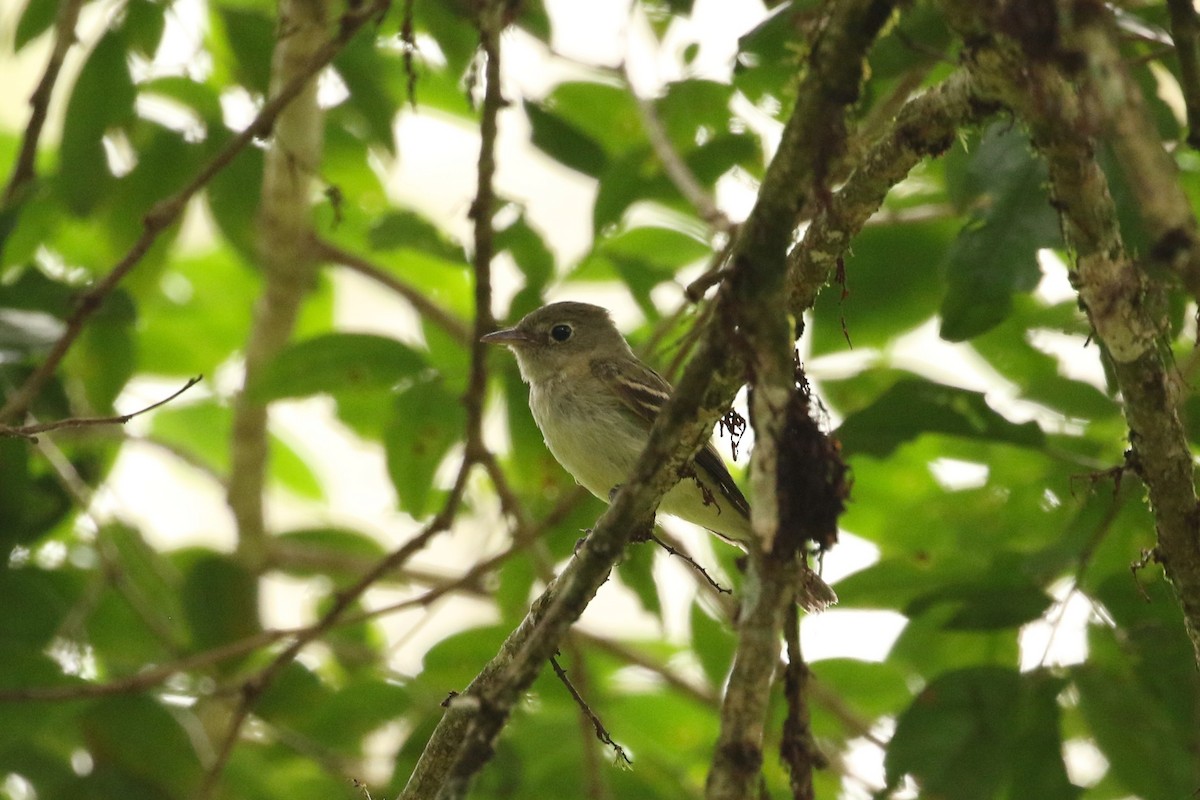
(595, 402)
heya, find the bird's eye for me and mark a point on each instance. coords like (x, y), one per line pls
(561, 332)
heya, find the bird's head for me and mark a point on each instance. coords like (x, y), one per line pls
(560, 338)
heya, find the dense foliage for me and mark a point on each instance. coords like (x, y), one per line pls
(995, 481)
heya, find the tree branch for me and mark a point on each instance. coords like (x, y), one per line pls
(1122, 302)
(328, 251)
(673, 164)
(25, 168)
(1185, 30)
(814, 137)
(463, 740)
(167, 211)
(30, 431)
(797, 747)
(1150, 172)
(926, 126)
(289, 262)
(601, 732)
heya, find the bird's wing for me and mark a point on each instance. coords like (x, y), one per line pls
(644, 392)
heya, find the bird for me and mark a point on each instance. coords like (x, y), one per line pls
(595, 402)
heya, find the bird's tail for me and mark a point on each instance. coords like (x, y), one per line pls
(814, 594)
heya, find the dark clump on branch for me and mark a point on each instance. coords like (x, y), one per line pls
(812, 479)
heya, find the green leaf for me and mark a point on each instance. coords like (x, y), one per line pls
(117, 630)
(607, 115)
(426, 421)
(409, 230)
(956, 737)
(452, 26)
(31, 501)
(872, 689)
(291, 697)
(354, 711)
(368, 73)
(141, 741)
(1135, 734)
(913, 407)
(641, 258)
(336, 362)
(992, 602)
(894, 55)
(768, 56)
(1150, 645)
(250, 34)
(36, 18)
(723, 152)
(220, 601)
(713, 643)
(452, 663)
(336, 542)
(143, 26)
(637, 572)
(32, 605)
(930, 647)
(205, 429)
(200, 98)
(234, 195)
(1038, 768)
(1007, 348)
(104, 357)
(876, 307)
(26, 666)
(996, 256)
(630, 178)
(535, 260)
(564, 142)
(693, 111)
(102, 98)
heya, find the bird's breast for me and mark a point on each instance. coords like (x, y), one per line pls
(588, 432)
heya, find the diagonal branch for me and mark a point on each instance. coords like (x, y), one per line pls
(1120, 298)
(673, 164)
(167, 211)
(1185, 30)
(289, 262)
(926, 126)
(30, 431)
(24, 169)
(464, 738)
(1150, 172)
(427, 308)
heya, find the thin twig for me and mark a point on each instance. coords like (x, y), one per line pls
(29, 431)
(24, 169)
(601, 732)
(677, 170)
(509, 502)
(691, 561)
(797, 747)
(490, 22)
(595, 776)
(253, 688)
(147, 679)
(328, 251)
(164, 213)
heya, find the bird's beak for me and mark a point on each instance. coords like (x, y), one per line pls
(508, 336)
